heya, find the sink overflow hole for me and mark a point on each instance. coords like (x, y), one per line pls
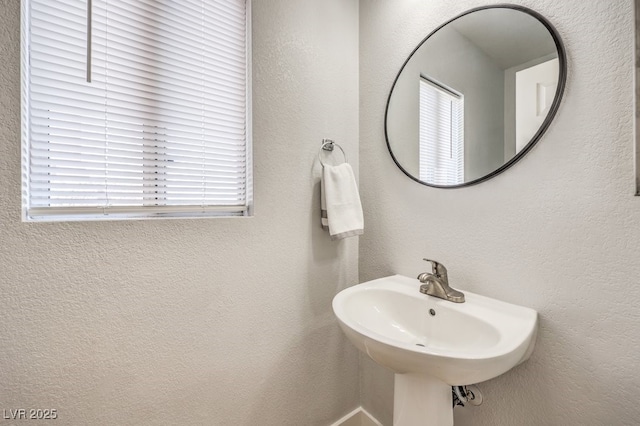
(432, 312)
(420, 344)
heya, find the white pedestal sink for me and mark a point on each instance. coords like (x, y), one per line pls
(432, 344)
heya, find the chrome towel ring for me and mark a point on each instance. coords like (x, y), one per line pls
(328, 145)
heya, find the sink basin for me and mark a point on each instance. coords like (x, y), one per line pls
(463, 343)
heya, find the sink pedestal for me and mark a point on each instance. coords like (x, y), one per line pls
(421, 400)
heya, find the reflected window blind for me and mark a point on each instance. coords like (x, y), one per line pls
(441, 134)
(135, 108)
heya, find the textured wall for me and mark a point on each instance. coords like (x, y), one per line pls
(559, 232)
(194, 322)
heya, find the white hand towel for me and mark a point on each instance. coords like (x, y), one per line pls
(340, 202)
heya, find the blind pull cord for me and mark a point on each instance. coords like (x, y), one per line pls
(89, 31)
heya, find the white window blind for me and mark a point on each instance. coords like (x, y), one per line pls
(441, 134)
(135, 108)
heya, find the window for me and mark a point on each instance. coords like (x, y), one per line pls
(441, 134)
(135, 108)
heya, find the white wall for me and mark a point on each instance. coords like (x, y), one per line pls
(559, 231)
(194, 322)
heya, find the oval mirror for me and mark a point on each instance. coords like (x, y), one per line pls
(475, 95)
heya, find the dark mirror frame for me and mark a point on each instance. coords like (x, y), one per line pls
(562, 79)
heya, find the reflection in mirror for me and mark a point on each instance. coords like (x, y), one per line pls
(475, 95)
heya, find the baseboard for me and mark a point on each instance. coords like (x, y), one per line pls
(358, 417)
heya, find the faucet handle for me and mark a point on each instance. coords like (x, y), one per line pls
(438, 268)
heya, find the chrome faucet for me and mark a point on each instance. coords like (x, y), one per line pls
(436, 283)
